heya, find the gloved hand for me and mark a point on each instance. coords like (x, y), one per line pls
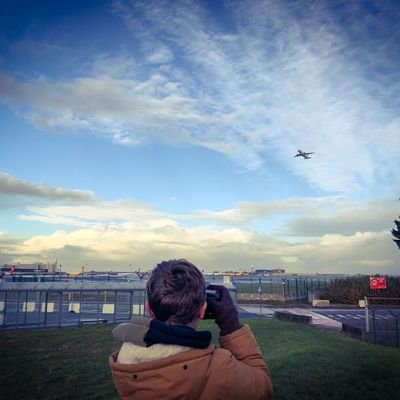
(223, 311)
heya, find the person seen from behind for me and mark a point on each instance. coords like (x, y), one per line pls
(165, 357)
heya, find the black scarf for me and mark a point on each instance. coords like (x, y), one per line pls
(181, 335)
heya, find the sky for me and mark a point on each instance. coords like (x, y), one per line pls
(134, 131)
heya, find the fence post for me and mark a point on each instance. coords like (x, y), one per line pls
(18, 306)
(39, 303)
(26, 306)
(131, 303)
(5, 307)
(115, 306)
(374, 325)
(46, 299)
(80, 305)
(60, 308)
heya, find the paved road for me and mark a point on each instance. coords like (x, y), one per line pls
(268, 312)
(332, 317)
(354, 317)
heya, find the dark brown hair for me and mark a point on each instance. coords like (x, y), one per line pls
(175, 291)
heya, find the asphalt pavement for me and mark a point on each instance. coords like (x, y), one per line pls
(318, 319)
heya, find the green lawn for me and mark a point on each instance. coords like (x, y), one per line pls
(305, 363)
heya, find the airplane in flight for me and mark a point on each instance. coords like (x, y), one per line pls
(303, 154)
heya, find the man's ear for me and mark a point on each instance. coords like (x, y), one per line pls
(203, 310)
(148, 309)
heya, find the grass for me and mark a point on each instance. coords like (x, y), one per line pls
(304, 362)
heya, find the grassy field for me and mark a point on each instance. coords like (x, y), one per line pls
(305, 363)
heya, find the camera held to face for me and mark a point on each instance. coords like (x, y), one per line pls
(213, 294)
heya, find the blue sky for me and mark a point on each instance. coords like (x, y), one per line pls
(137, 131)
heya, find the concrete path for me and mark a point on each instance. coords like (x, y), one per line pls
(318, 320)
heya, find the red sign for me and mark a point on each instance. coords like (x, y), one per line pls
(377, 282)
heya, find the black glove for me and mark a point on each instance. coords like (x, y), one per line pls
(223, 311)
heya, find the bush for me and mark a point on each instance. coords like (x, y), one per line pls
(351, 289)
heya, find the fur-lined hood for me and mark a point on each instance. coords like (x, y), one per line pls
(134, 349)
(131, 353)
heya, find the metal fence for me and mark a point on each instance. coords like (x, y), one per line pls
(382, 320)
(54, 301)
(276, 288)
(60, 304)
(50, 307)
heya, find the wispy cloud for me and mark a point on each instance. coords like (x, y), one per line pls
(245, 212)
(13, 186)
(99, 212)
(273, 77)
(346, 218)
(306, 217)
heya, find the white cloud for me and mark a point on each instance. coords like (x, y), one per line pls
(113, 246)
(111, 234)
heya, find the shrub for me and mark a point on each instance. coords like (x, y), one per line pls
(351, 289)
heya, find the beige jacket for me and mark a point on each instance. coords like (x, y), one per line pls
(235, 371)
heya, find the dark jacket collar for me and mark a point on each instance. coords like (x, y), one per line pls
(182, 335)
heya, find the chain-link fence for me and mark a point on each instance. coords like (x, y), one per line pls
(276, 288)
(382, 320)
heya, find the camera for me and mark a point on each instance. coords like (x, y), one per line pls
(213, 294)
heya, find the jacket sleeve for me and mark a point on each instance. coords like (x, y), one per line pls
(248, 373)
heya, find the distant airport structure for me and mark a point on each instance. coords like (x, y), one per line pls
(263, 272)
(34, 268)
(48, 268)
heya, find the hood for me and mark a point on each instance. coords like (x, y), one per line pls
(132, 354)
(132, 331)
